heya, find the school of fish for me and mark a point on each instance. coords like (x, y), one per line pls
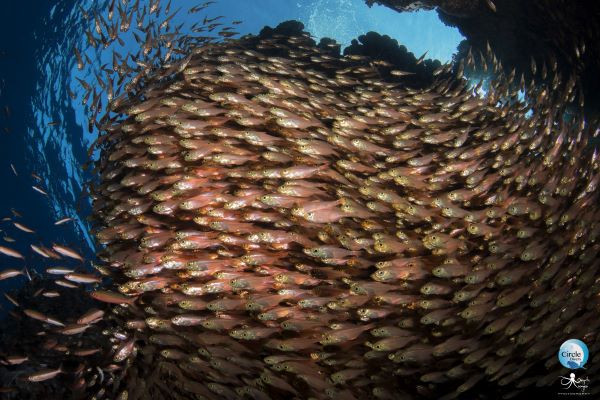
(278, 221)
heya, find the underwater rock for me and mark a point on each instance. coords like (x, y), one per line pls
(562, 32)
(384, 48)
(459, 8)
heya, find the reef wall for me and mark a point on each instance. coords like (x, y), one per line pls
(565, 32)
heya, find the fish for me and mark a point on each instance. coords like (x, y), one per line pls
(67, 252)
(492, 7)
(82, 278)
(111, 297)
(16, 360)
(344, 335)
(23, 227)
(63, 220)
(10, 273)
(73, 329)
(43, 375)
(11, 299)
(63, 283)
(11, 252)
(59, 270)
(39, 190)
(80, 63)
(397, 72)
(124, 350)
(42, 317)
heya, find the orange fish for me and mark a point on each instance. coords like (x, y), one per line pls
(10, 252)
(67, 252)
(112, 297)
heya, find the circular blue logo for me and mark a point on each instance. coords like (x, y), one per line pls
(573, 354)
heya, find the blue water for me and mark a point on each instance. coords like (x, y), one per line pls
(37, 66)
